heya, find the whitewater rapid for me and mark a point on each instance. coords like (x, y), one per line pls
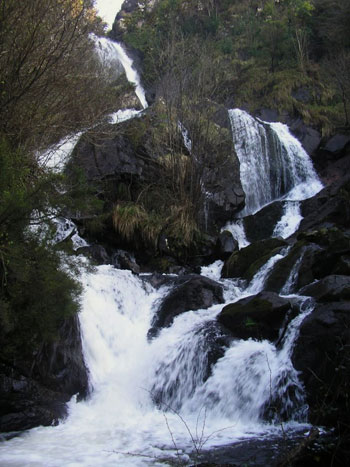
(120, 424)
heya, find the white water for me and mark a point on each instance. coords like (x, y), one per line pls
(238, 232)
(289, 221)
(120, 423)
(273, 164)
(112, 53)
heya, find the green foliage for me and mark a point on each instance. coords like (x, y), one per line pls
(259, 47)
(35, 296)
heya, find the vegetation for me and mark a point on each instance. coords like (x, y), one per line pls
(51, 84)
(290, 55)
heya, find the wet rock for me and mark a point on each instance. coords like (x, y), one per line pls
(124, 260)
(225, 245)
(98, 254)
(322, 355)
(247, 261)
(330, 206)
(25, 403)
(330, 288)
(282, 270)
(35, 392)
(261, 225)
(190, 293)
(261, 316)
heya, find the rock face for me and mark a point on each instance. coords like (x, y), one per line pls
(35, 392)
(261, 316)
(190, 293)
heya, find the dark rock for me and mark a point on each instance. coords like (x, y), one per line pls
(330, 206)
(97, 252)
(247, 261)
(282, 270)
(268, 115)
(261, 225)
(330, 288)
(337, 143)
(35, 392)
(261, 316)
(225, 245)
(190, 293)
(322, 356)
(308, 136)
(124, 260)
(26, 404)
(107, 154)
(60, 365)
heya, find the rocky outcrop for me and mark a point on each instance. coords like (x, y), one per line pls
(330, 288)
(35, 392)
(261, 316)
(191, 292)
(322, 355)
(247, 261)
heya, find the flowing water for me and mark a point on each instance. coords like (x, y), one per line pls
(120, 424)
(273, 166)
(113, 53)
(159, 401)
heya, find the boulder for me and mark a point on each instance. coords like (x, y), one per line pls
(321, 354)
(308, 136)
(122, 259)
(191, 292)
(261, 225)
(329, 206)
(329, 289)
(247, 261)
(261, 316)
(225, 245)
(98, 253)
(337, 143)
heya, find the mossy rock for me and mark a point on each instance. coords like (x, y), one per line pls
(247, 261)
(260, 316)
(331, 237)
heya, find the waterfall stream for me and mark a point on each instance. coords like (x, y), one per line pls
(120, 424)
(154, 402)
(273, 164)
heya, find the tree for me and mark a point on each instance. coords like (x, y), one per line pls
(51, 82)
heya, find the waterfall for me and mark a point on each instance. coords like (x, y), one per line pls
(113, 53)
(273, 164)
(148, 396)
(289, 221)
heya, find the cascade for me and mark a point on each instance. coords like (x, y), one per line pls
(146, 395)
(113, 53)
(273, 164)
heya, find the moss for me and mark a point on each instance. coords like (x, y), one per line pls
(247, 261)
